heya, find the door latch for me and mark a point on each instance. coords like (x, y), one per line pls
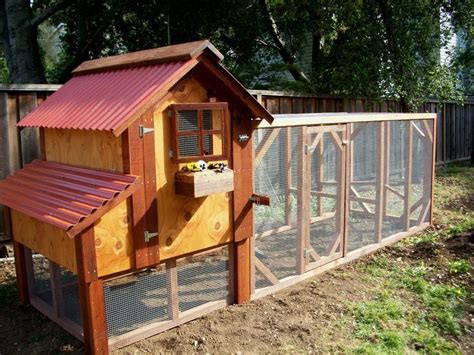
(150, 235)
(260, 200)
(142, 130)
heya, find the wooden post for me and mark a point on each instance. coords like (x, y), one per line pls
(91, 293)
(347, 186)
(242, 160)
(386, 177)
(340, 189)
(288, 177)
(302, 230)
(408, 173)
(320, 208)
(380, 185)
(433, 162)
(20, 259)
(56, 289)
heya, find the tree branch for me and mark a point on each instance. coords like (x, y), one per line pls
(50, 11)
(280, 44)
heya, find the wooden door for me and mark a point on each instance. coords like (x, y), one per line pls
(323, 193)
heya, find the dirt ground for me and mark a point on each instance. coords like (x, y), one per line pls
(313, 316)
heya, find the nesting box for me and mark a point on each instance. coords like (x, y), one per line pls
(107, 198)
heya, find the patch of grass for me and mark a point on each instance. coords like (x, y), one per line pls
(459, 267)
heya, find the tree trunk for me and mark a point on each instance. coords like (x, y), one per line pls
(280, 46)
(19, 41)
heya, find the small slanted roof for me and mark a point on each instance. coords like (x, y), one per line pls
(67, 197)
(108, 94)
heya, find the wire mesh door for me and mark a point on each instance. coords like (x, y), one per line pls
(324, 195)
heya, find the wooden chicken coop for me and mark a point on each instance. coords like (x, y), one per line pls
(115, 242)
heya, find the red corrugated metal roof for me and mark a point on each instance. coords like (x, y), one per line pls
(105, 100)
(64, 196)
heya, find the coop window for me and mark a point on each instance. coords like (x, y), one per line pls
(199, 131)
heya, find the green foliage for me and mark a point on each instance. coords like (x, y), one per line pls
(459, 267)
(4, 75)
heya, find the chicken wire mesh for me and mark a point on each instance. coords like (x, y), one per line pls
(276, 175)
(134, 301)
(375, 183)
(203, 279)
(65, 294)
(41, 279)
(362, 185)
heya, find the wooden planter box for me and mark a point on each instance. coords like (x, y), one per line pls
(203, 183)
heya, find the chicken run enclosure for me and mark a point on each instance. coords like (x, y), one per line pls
(115, 242)
(338, 191)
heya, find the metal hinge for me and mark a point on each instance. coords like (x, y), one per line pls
(150, 235)
(142, 130)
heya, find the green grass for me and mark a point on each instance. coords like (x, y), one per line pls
(407, 313)
(459, 267)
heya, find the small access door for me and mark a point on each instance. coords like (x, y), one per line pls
(322, 200)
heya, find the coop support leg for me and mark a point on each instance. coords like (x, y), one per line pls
(242, 267)
(20, 260)
(91, 294)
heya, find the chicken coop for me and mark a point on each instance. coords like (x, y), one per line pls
(116, 242)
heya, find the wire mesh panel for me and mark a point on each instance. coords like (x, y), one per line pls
(325, 150)
(70, 296)
(41, 287)
(163, 293)
(335, 189)
(362, 185)
(203, 279)
(395, 177)
(277, 162)
(134, 301)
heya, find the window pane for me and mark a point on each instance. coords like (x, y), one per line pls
(187, 120)
(212, 119)
(212, 144)
(188, 146)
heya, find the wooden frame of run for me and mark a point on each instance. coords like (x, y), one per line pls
(200, 132)
(422, 125)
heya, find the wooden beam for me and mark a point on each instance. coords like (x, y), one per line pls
(303, 211)
(362, 201)
(347, 178)
(433, 162)
(319, 184)
(56, 289)
(288, 160)
(242, 271)
(91, 295)
(380, 197)
(172, 290)
(265, 271)
(408, 173)
(395, 191)
(20, 260)
(242, 154)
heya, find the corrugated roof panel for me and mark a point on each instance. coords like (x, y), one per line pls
(67, 197)
(103, 100)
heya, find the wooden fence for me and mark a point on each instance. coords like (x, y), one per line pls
(455, 137)
(455, 140)
(18, 147)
